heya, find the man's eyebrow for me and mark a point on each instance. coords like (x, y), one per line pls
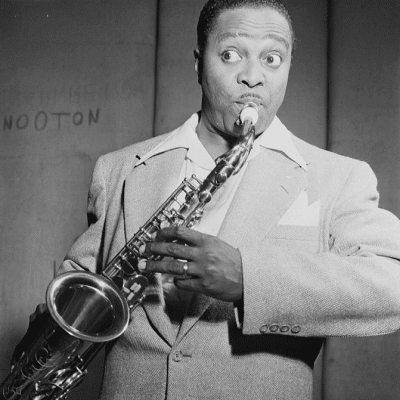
(229, 34)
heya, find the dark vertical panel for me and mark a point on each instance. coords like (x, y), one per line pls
(364, 123)
(178, 94)
(362, 368)
(304, 110)
(365, 76)
(77, 80)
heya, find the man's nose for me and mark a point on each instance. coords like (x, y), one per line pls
(252, 74)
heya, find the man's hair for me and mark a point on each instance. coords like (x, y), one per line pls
(213, 8)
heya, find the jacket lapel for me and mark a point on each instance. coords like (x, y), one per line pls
(146, 188)
(270, 184)
(199, 303)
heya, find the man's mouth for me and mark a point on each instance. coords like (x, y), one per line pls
(250, 97)
(255, 101)
(251, 100)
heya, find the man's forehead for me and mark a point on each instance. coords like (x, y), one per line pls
(284, 40)
(252, 22)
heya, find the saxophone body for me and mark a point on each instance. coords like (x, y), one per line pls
(86, 310)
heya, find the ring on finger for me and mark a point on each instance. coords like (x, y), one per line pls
(185, 270)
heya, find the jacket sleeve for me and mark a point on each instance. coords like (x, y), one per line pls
(86, 252)
(351, 287)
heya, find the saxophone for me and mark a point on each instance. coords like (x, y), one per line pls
(87, 310)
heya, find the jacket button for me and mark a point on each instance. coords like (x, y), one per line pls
(284, 328)
(274, 328)
(264, 329)
(177, 356)
(296, 329)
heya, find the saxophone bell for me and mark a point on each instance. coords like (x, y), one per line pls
(85, 311)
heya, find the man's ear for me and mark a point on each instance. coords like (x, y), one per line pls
(198, 64)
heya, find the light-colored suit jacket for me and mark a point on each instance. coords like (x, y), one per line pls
(319, 260)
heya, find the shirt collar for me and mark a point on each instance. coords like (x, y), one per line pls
(184, 137)
(276, 137)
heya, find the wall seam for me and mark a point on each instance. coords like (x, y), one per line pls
(156, 69)
(329, 74)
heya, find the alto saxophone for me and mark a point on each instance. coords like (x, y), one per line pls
(87, 310)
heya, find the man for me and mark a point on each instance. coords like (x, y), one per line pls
(291, 250)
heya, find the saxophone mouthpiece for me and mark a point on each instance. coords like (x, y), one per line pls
(249, 111)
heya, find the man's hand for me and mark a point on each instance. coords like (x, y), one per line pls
(214, 267)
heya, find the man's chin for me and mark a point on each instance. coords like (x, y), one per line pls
(233, 133)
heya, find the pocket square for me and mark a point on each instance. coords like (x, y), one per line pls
(302, 214)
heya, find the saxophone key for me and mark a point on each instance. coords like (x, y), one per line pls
(205, 196)
(221, 178)
(129, 265)
(135, 287)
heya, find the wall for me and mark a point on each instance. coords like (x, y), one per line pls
(84, 77)
(77, 80)
(364, 122)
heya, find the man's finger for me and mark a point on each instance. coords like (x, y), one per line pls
(181, 269)
(178, 233)
(170, 249)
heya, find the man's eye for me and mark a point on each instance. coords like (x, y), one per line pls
(230, 56)
(274, 60)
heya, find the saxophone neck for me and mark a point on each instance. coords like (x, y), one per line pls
(239, 153)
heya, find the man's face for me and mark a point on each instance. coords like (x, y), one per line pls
(247, 58)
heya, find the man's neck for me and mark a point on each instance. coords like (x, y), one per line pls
(214, 143)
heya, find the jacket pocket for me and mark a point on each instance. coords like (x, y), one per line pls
(305, 238)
